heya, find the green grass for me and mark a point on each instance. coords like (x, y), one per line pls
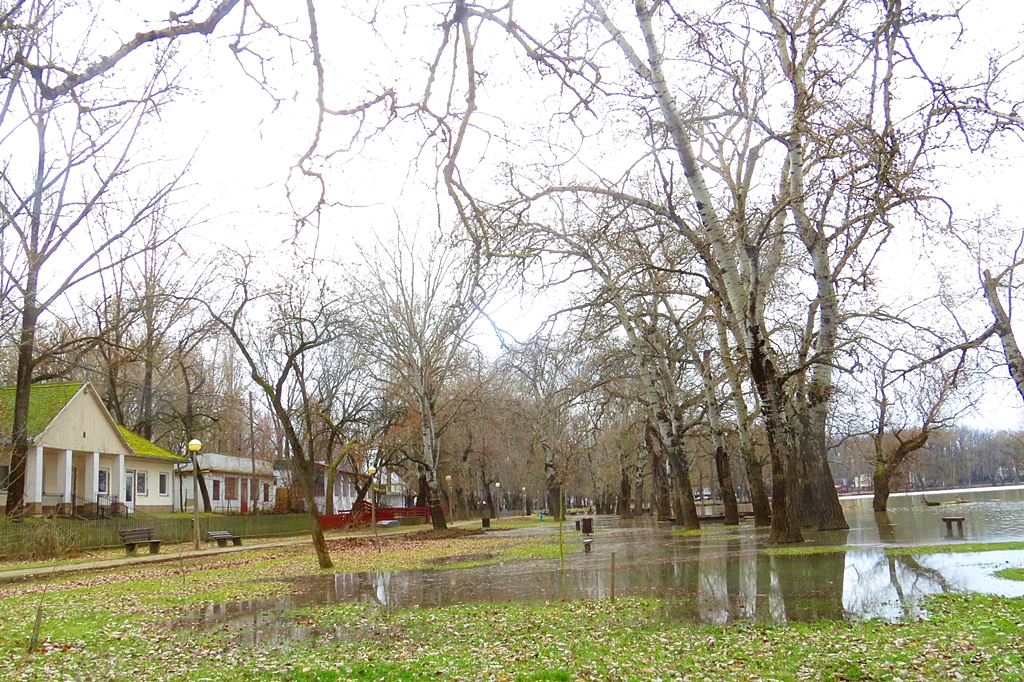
(1011, 573)
(956, 548)
(117, 626)
(948, 548)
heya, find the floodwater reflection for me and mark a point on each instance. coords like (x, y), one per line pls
(715, 577)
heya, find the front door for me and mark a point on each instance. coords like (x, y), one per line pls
(129, 490)
(245, 495)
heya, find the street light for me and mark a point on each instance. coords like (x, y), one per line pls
(525, 513)
(497, 487)
(194, 446)
(448, 491)
(373, 506)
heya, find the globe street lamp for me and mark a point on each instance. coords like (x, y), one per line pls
(448, 491)
(373, 506)
(194, 446)
(525, 513)
(497, 487)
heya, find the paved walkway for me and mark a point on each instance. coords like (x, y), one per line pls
(42, 572)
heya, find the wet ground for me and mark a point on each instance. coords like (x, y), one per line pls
(716, 576)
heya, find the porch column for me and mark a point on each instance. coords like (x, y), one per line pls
(34, 480)
(64, 483)
(117, 485)
(92, 476)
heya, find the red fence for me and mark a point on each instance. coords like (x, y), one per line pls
(364, 515)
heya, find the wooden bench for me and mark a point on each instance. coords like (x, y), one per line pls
(139, 536)
(222, 537)
(949, 525)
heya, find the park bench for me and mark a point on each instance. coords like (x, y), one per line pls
(949, 520)
(139, 536)
(222, 537)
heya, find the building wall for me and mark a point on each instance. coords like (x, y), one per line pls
(82, 426)
(151, 500)
(216, 480)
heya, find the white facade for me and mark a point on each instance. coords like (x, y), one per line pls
(81, 460)
(230, 482)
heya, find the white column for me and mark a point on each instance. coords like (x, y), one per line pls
(92, 476)
(64, 483)
(34, 476)
(117, 485)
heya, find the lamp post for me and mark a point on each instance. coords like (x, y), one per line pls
(524, 501)
(194, 446)
(497, 488)
(373, 505)
(448, 491)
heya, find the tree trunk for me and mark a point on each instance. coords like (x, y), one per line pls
(323, 556)
(550, 478)
(332, 474)
(624, 495)
(662, 504)
(882, 478)
(722, 465)
(780, 442)
(732, 513)
(755, 486)
(207, 505)
(686, 509)
(814, 441)
(1011, 351)
(641, 463)
(15, 508)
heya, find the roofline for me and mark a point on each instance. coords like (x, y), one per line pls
(86, 387)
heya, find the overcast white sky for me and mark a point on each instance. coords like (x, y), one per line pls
(245, 148)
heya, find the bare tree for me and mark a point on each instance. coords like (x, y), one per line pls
(422, 307)
(302, 316)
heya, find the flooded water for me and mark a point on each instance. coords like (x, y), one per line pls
(714, 577)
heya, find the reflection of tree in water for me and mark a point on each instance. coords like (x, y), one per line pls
(908, 566)
(811, 585)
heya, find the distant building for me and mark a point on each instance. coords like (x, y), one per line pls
(230, 480)
(346, 488)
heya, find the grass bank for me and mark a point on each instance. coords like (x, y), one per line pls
(121, 626)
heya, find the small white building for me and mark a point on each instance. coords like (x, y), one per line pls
(80, 462)
(390, 488)
(236, 485)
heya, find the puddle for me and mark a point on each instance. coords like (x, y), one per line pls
(714, 577)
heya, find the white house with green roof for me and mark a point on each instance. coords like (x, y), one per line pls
(80, 460)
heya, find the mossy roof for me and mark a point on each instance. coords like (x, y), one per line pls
(144, 448)
(46, 401)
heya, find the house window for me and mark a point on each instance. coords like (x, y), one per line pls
(141, 483)
(216, 490)
(230, 488)
(5, 472)
(320, 486)
(103, 486)
(163, 483)
(266, 492)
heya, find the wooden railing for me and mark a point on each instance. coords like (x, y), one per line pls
(364, 513)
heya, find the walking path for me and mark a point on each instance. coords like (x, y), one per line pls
(36, 572)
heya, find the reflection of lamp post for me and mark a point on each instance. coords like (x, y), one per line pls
(194, 446)
(524, 501)
(373, 505)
